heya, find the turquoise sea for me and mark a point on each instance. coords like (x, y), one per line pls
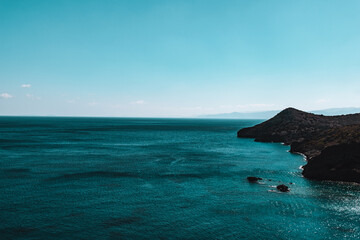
(124, 178)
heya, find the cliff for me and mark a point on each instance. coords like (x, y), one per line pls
(315, 136)
(337, 163)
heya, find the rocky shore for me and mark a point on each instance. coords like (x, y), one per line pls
(331, 144)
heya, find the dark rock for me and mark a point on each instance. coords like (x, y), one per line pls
(253, 179)
(282, 188)
(336, 163)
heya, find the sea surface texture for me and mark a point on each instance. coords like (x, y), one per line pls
(118, 178)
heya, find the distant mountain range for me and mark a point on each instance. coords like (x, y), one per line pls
(270, 114)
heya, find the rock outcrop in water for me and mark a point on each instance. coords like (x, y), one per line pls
(253, 179)
(282, 188)
(331, 144)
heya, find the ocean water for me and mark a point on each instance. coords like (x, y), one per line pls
(123, 178)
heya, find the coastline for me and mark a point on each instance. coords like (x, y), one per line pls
(330, 145)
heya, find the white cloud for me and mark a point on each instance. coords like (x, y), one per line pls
(26, 85)
(5, 95)
(260, 105)
(139, 102)
(74, 100)
(31, 96)
(93, 104)
(255, 105)
(320, 101)
(197, 108)
(247, 107)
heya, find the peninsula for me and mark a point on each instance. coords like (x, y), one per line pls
(331, 144)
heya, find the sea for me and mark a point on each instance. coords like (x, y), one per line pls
(139, 178)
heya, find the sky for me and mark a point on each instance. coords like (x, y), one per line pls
(142, 58)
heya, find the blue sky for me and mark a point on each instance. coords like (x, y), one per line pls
(177, 58)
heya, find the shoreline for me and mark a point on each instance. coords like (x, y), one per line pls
(330, 145)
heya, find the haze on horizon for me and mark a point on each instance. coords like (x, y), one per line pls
(177, 58)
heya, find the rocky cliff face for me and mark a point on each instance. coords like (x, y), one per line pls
(315, 143)
(313, 135)
(336, 163)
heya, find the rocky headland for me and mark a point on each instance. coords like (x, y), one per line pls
(331, 144)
